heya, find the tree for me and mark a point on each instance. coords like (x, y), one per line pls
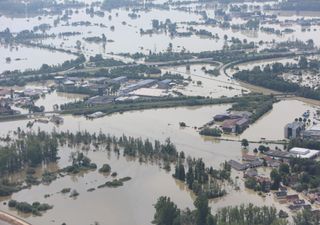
(276, 179)
(202, 209)
(303, 62)
(244, 143)
(167, 212)
(306, 217)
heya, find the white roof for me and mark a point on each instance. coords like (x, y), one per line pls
(315, 128)
(304, 152)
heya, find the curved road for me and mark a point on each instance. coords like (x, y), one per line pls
(7, 219)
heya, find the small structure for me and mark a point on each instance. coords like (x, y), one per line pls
(68, 83)
(56, 119)
(96, 115)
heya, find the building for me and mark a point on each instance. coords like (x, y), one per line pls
(5, 92)
(280, 194)
(235, 125)
(250, 173)
(221, 117)
(136, 86)
(119, 80)
(242, 124)
(99, 80)
(249, 158)
(293, 130)
(292, 198)
(100, 100)
(304, 153)
(5, 108)
(164, 84)
(237, 166)
(264, 182)
(229, 126)
(312, 134)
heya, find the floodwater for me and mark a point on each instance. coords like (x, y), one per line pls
(212, 86)
(271, 126)
(130, 27)
(133, 203)
(136, 197)
(26, 58)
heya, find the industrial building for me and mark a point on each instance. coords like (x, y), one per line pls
(138, 85)
(293, 130)
(304, 153)
(312, 134)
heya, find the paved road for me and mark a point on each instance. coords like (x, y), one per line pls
(7, 219)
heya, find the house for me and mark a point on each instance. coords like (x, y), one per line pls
(249, 158)
(242, 124)
(229, 126)
(56, 119)
(292, 198)
(164, 84)
(264, 182)
(280, 194)
(237, 166)
(5, 92)
(250, 173)
(255, 163)
(293, 130)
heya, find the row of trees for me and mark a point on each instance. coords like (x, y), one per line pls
(167, 213)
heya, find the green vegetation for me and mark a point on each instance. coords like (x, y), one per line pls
(65, 190)
(168, 56)
(105, 168)
(114, 4)
(115, 183)
(297, 5)
(214, 132)
(249, 103)
(270, 77)
(99, 61)
(28, 149)
(306, 217)
(80, 162)
(167, 213)
(202, 180)
(35, 208)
